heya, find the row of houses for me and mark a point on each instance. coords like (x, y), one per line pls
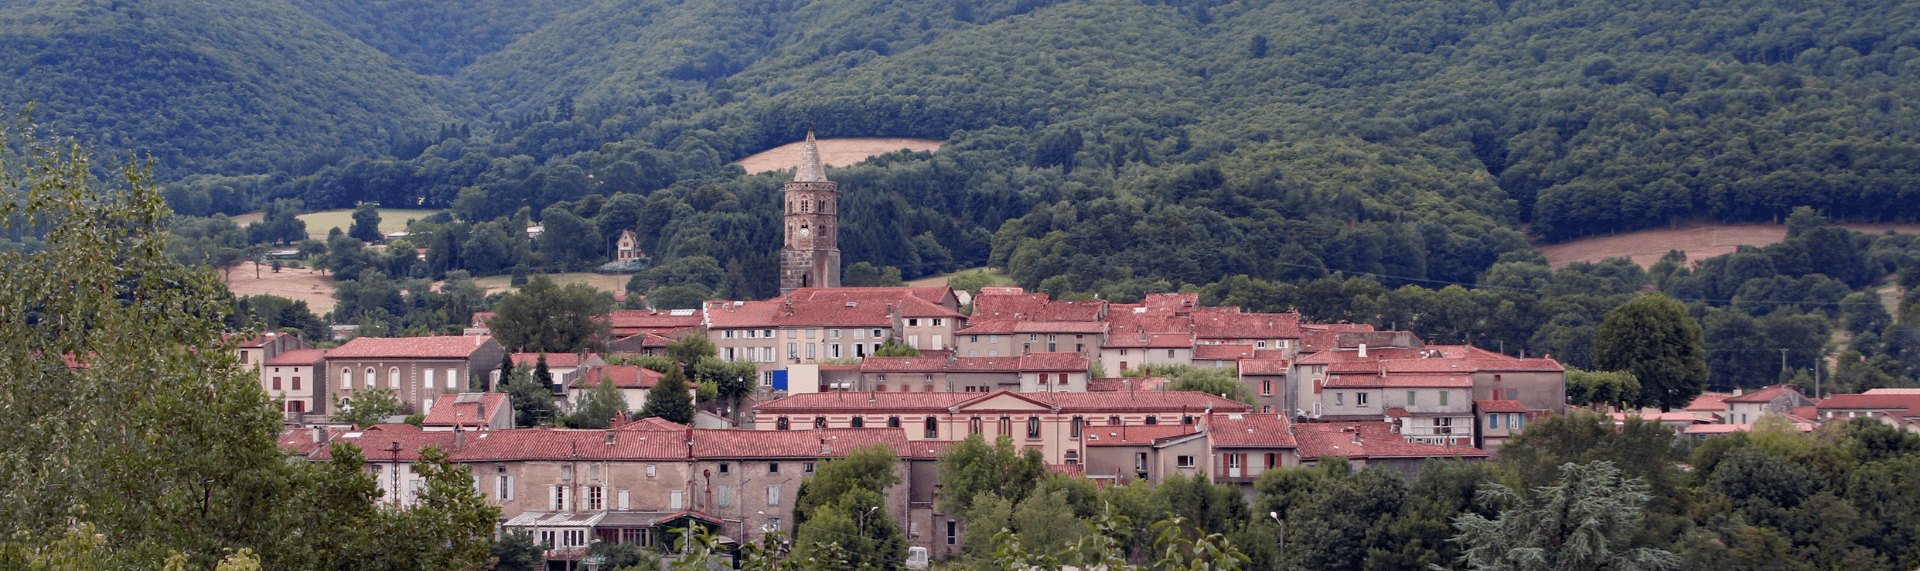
(634, 482)
(1713, 414)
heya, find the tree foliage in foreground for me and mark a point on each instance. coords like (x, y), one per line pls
(131, 437)
(1582, 523)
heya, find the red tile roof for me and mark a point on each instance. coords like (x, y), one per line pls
(1880, 401)
(1034, 307)
(823, 443)
(1008, 326)
(1762, 395)
(1232, 352)
(1265, 366)
(562, 360)
(1125, 384)
(623, 376)
(1251, 431)
(1369, 440)
(1136, 435)
(476, 411)
(1363, 380)
(1221, 325)
(1708, 403)
(376, 445)
(442, 347)
(1054, 362)
(813, 403)
(1140, 401)
(562, 444)
(742, 314)
(1150, 340)
(652, 424)
(298, 357)
(903, 364)
(931, 294)
(985, 364)
(1499, 406)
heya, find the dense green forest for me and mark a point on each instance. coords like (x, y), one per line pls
(210, 87)
(1268, 153)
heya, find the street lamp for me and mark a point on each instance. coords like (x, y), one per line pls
(1283, 529)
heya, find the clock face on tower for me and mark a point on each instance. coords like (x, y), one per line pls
(804, 232)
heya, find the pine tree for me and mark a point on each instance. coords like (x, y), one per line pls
(669, 399)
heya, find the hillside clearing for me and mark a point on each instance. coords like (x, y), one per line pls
(834, 152)
(1700, 241)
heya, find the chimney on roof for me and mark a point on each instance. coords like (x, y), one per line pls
(825, 448)
(609, 437)
(1363, 350)
(459, 437)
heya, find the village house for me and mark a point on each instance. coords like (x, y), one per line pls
(257, 351)
(565, 367)
(634, 382)
(469, 411)
(672, 323)
(1773, 400)
(1898, 407)
(1052, 422)
(297, 379)
(1366, 444)
(418, 369)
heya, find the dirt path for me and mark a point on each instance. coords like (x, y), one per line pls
(1699, 241)
(834, 152)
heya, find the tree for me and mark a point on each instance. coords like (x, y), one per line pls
(1219, 381)
(517, 551)
(1610, 388)
(669, 399)
(130, 435)
(366, 223)
(368, 407)
(599, 406)
(732, 380)
(1581, 523)
(1654, 338)
(894, 348)
(689, 350)
(532, 400)
(544, 317)
(972, 466)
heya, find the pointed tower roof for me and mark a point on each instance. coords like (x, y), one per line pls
(810, 169)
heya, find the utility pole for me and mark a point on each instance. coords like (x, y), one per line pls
(393, 452)
(1783, 359)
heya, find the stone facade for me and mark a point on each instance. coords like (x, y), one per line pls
(811, 257)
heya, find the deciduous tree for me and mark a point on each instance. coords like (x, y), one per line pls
(1654, 338)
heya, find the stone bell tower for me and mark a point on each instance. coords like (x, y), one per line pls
(811, 257)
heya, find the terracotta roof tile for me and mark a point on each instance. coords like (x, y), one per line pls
(1762, 395)
(298, 357)
(653, 319)
(623, 376)
(1265, 366)
(375, 446)
(1708, 403)
(1150, 340)
(1871, 401)
(560, 444)
(1230, 352)
(824, 443)
(1054, 362)
(1136, 435)
(442, 347)
(1399, 380)
(930, 294)
(1008, 326)
(1246, 325)
(903, 364)
(467, 409)
(1126, 384)
(1251, 431)
(1375, 440)
(810, 403)
(652, 424)
(1499, 406)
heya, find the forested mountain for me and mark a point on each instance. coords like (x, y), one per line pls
(435, 37)
(1259, 151)
(230, 86)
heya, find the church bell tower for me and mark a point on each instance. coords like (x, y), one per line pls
(811, 256)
